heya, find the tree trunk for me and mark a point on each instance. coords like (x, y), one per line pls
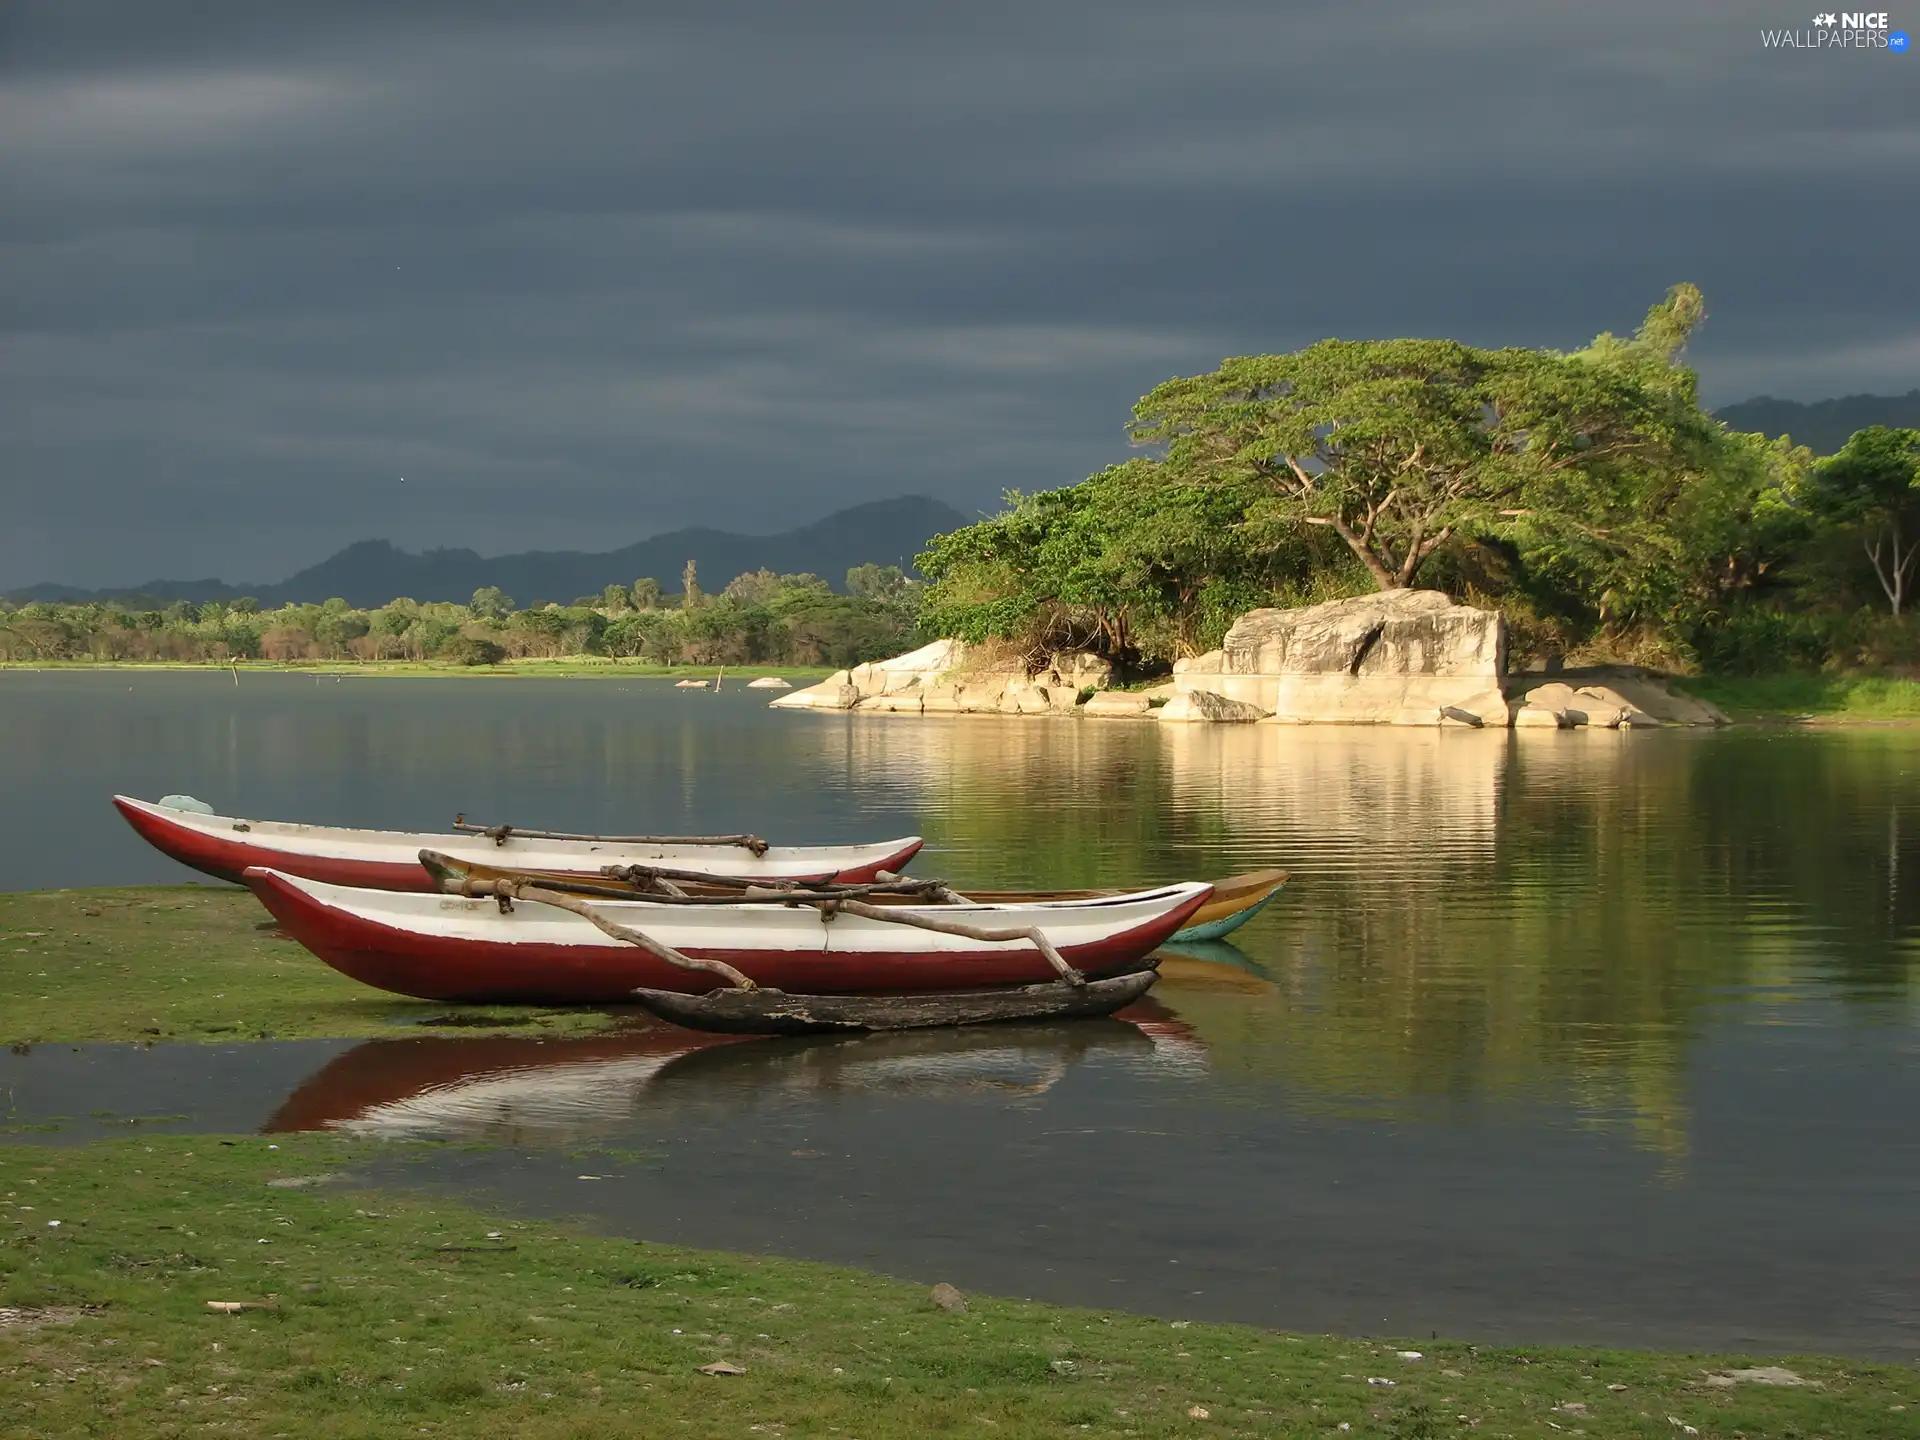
(1383, 577)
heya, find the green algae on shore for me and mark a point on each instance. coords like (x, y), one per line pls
(382, 1313)
(201, 962)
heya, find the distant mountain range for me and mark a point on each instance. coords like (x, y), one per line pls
(1824, 425)
(372, 572)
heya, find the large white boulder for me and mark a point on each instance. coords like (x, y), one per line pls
(1394, 632)
(1399, 657)
(836, 692)
(917, 671)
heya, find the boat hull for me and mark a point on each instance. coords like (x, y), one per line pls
(445, 948)
(1234, 902)
(225, 847)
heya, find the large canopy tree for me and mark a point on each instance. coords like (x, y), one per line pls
(1397, 446)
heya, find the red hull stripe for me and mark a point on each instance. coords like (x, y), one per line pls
(439, 967)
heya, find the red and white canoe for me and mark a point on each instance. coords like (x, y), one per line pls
(223, 846)
(444, 947)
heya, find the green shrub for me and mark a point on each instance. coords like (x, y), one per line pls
(472, 650)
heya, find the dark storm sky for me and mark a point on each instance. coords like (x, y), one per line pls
(584, 272)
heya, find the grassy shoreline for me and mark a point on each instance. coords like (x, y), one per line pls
(203, 963)
(398, 1313)
(1808, 699)
(392, 1313)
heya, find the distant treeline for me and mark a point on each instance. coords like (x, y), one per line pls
(759, 617)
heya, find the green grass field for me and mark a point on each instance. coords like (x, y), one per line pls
(387, 1314)
(199, 962)
(1832, 699)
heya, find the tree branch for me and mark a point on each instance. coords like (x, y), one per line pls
(1382, 576)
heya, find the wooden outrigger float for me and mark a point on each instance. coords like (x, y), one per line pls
(761, 1011)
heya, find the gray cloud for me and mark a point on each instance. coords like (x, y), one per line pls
(582, 273)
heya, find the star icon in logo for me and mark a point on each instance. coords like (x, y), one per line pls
(1824, 21)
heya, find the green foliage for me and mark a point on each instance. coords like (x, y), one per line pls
(1586, 494)
(1398, 446)
(792, 620)
(472, 650)
(888, 584)
(489, 603)
(1871, 489)
(755, 587)
(1137, 562)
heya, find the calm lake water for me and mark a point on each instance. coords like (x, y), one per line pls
(1597, 1037)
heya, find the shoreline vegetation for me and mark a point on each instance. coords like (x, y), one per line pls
(374, 1308)
(1779, 699)
(1585, 495)
(204, 963)
(773, 622)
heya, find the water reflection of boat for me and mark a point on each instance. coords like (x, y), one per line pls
(1212, 965)
(524, 1091)
(489, 1088)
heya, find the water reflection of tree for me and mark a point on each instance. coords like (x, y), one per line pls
(1539, 917)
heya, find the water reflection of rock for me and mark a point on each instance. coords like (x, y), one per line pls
(506, 1090)
(551, 1092)
(1335, 796)
(1542, 916)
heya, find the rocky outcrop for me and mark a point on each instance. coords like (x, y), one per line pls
(949, 677)
(1403, 657)
(1117, 704)
(1400, 657)
(1612, 696)
(1539, 717)
(1394, 632)
(1191, 705)
(915, 671)
(1083, 671)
